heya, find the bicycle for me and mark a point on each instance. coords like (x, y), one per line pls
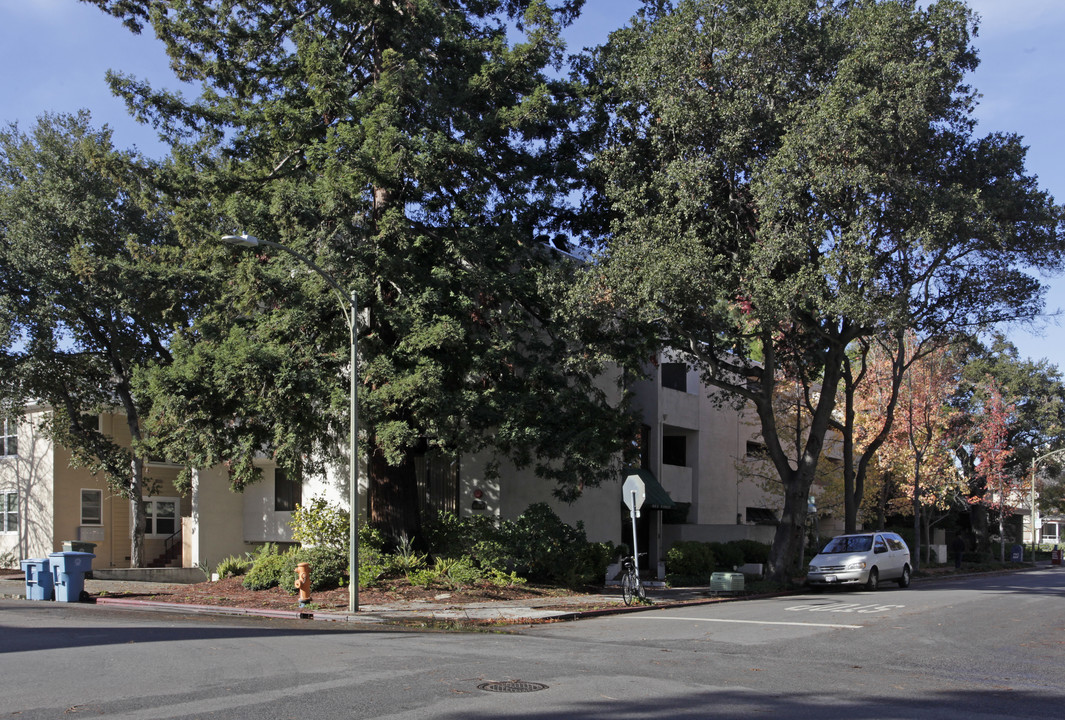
(631, 587)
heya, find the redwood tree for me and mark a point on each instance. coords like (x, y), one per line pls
(412, 150)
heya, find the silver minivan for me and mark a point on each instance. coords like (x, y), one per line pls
(861, 559)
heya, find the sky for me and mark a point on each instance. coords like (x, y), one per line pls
(55, 54)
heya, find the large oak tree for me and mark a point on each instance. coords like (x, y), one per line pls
(87, 291)
(774, 180)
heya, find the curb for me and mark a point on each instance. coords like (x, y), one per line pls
(401, 617)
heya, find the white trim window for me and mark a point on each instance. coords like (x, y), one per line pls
(161, 516)
(288, 491)
(9, 514)
(92, 506)
(8, 437)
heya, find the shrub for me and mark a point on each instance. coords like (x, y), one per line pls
(370, 538)
(690, 561)
(405, 560)
(373, 566)
(232, 566)
(448, 535)
(321, 523)
(457, 572)
(270, 568)
(753, 551)
(726, 555)
(548, 549)
(329, 567)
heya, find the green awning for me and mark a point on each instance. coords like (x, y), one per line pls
(655, 496)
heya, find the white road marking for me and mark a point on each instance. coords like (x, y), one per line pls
(844, 608)
(746, 622)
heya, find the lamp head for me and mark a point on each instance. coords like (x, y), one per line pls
(244, 240)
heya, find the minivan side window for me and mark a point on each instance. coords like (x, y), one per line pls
(879, 546)
(893, 543)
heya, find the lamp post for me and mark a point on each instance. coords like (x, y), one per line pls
(353, 408)
(1031, 510)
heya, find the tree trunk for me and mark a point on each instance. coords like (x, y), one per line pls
(791, 532)
(136, 513)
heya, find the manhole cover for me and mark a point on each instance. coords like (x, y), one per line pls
(512, 686)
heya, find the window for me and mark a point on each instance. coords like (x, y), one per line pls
(675, 376)
(288, 491)
(761, 516)
(9, 514)
(756, 448)
(1050, 532)
(8, 437)
(160, 516)
(92, 503)
(675, 450)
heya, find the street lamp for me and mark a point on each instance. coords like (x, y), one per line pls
(353, 408)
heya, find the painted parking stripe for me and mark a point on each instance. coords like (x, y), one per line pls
(746, 622)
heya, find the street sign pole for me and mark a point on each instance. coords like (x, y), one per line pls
(635, 513)
(633, 493)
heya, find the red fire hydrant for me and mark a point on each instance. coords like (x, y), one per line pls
(303, 582)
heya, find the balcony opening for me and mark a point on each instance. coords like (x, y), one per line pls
(675, 450)
(675, 376)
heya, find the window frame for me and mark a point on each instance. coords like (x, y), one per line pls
(287, 498)
(151, 515)
(100, 507)
(8, 437)
(8, 508)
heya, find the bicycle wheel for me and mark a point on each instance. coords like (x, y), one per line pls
(628, 588)
(640, 591)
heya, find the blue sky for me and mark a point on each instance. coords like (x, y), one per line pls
(55, 53)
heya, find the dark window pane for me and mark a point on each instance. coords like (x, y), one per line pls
(675, 376)
(675, 450)
(288, 491)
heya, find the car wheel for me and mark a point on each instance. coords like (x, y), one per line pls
(874, 580)
(904, 581)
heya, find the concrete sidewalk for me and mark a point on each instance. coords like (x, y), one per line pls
(502, 611)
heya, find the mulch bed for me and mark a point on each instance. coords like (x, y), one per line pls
(229, 592)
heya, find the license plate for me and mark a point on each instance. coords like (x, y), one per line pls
(830, 578)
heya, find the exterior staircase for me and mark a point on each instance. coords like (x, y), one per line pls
(171, 556)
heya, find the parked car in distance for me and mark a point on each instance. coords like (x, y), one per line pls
(861, 559)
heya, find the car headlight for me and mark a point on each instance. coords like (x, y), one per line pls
(856, 565)
(814, 568)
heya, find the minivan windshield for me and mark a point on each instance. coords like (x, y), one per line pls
(857, 543)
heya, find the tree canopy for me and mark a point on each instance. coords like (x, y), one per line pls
(87, 290)
(411, 149)
(777, 179)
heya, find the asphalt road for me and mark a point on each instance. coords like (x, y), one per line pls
(981, 647)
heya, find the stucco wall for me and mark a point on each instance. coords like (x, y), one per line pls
(215, 530)
(29, 475)
(515, 490)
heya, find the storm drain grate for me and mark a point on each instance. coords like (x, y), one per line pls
(511, 686)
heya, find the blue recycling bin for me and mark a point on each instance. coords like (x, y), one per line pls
(38, 578)
(68, 574)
